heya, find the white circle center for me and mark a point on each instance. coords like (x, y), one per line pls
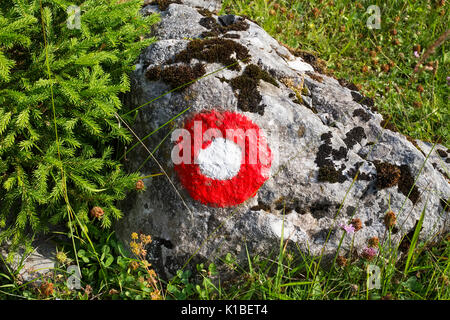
(221, 160)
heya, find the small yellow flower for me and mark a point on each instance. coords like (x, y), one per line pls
(152, 273)
(155, 295)
(146, 239)
(134, 265)
(134, 236)
(135, 248)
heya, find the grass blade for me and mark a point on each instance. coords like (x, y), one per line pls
(414, 240)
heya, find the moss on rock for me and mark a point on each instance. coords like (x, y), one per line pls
(214, 50)
(249, 98)
(164, 4)
(388, 175)
(217, 29)
(176, 75)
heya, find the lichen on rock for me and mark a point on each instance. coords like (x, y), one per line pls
(320, 137)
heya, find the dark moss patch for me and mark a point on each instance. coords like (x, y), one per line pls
(164, 4)
(444, 173)
(359, 98)
(213, 223)
(257, 73)
(322, 208)
(361, 176)
(326, 137)
(350, 210)
(322, 156)
(414, 143)
(362, 114)
(214, 50)
(340, 154)
(177, 75)
(205, 12)
(327, 170)
(388, 175)
(208, 22)
(405, 184)
(232, 36)
(315, 76)
(347, 84)
(301, 210)
(441, 153)
(279, 203)
(283, 204)
(328, 173)
(354, 136)
(321, 236)
(154, 74)
(249, 98)
(261, 206)
(227, 23)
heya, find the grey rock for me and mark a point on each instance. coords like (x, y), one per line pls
(30, 265)
(211, 5)
(298, 202)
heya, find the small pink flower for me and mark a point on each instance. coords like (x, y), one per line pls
(347, 228)
(448, 81)
(369, 252)
(416, 54)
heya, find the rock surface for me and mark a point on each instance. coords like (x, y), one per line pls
(320, 133)
(31, 265)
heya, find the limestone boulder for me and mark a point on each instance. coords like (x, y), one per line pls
(334, 158)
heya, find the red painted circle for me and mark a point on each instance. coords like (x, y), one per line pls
(252, 174)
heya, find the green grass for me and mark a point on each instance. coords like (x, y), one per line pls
(336, 32)
(286, 274)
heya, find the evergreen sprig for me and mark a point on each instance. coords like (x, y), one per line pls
(58, 132)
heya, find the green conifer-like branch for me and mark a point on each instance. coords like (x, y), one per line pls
(89, 68)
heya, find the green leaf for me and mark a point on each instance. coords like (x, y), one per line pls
(109, 260)
(414, 240)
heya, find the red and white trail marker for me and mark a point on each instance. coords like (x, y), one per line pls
(222, 158)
